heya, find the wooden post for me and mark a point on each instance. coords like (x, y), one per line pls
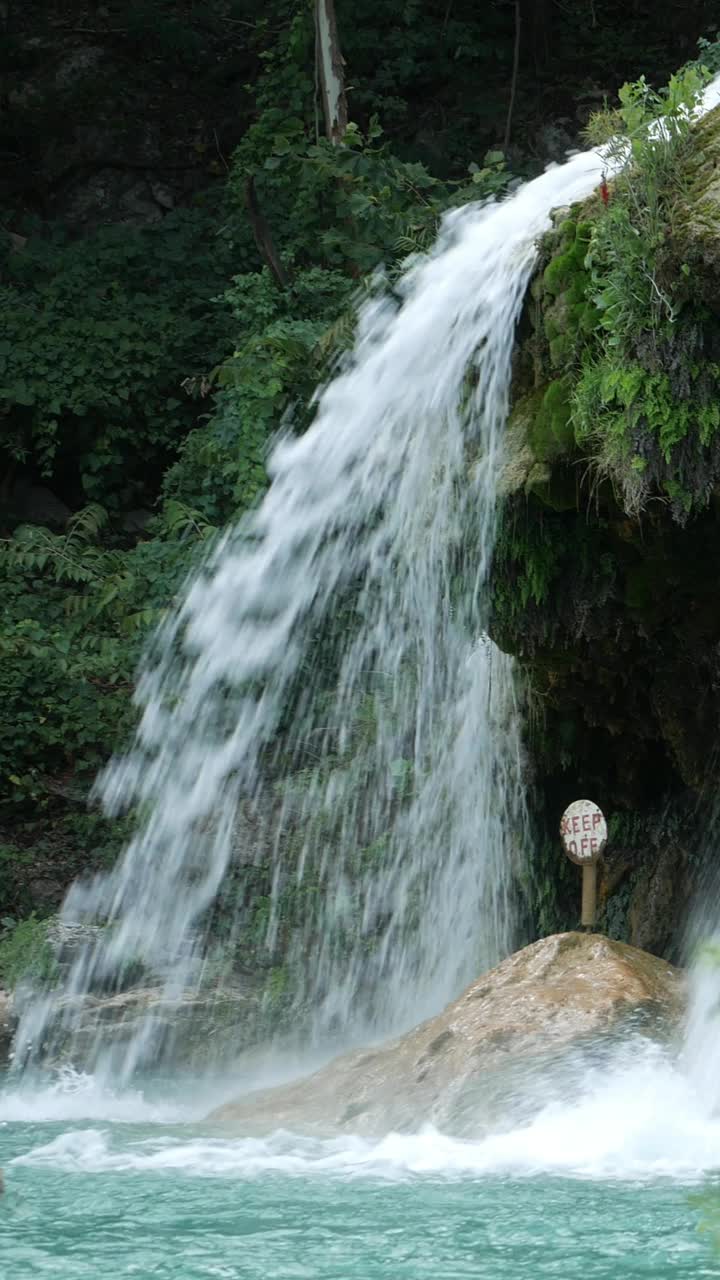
(589, 895)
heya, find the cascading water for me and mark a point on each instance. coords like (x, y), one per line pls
(374, 503)
(328, 676)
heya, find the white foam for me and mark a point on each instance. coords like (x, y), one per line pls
(75, 1096)
(641, 1119)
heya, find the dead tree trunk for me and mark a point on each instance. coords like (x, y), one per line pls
(331, 71)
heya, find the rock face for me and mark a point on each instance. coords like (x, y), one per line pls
(197, 1028)
(511, 1042)
(7, 1026)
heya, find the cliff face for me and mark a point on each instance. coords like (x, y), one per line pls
(606, 575)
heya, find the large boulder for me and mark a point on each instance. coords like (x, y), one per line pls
(511, 1042)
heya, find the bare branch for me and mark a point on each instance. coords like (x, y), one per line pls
(263, 236)
(515, 71)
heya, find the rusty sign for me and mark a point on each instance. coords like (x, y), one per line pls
(583, 831)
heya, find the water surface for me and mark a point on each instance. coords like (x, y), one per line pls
(137, 1188)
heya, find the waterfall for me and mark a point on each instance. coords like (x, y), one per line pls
(327, 683)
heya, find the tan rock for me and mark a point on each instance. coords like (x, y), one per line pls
(513, 1040)
(520, 466)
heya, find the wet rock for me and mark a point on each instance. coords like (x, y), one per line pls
(512, 1041)
(67, 940)
(7, 1026)
(78, 64)
(197, 1028)
(519, 461)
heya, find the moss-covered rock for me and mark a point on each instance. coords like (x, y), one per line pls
(640, 405)
(606, 578)
(693, 245)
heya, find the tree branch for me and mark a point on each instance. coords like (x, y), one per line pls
(263, 236)
(515, 71)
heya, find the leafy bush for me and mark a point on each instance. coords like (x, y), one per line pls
(77, 611)
(639, 377)
(96, 339)
(279, 356)
(657, 130)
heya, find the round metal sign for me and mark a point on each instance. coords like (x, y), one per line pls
(583, 831)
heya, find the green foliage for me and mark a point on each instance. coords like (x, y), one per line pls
(527, 562)
(335, 213)
(276, 992)
(77, 611)
(284, 339)
(709, 54)
(353, 207)
(347, 208)
(24, 951)
(629, 402)
(656, 136)
(97, 337)
(158, 365)
(638, 391)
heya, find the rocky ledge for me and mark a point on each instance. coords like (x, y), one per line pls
(198, 1028)
(514, 1040)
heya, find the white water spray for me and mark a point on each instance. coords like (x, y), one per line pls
(381, 760)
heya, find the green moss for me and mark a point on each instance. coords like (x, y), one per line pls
(695, 240)
(621, 342)
(566, 230)
(551, 432)
(568, 313)
(563, 269)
